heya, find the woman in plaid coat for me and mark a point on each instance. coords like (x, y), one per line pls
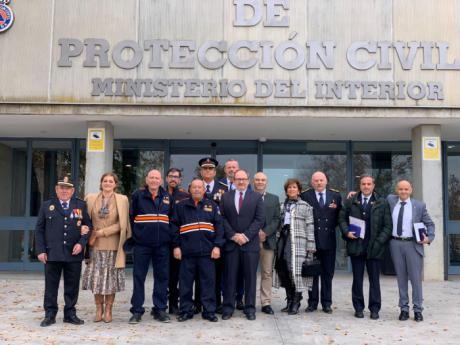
(296, 240)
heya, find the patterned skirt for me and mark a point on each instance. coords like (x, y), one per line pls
(101, 276)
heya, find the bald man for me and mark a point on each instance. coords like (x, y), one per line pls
(150, 212)
(326, 205)
(267, 237)
(406, 252)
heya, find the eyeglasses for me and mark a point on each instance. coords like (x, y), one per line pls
(241, 179)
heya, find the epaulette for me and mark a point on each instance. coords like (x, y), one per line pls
(305, 190)
(334, 190)
(182, 190)
(79, 199)
(141, 188)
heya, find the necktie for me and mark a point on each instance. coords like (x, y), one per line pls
(365, 203)
(230, 186)
(207, 189)
(399, 228)
(240, 202)
(65, 205)
(321, 200)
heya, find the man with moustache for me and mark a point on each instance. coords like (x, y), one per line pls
(326, 205)
(174, 180)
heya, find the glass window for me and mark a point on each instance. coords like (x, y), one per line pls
(283, 160)
(132, 165)
(11, 245)
(13, 174)
(453, 180)
(386, 162)
(50, 161)
(454, 249)
(245, 152)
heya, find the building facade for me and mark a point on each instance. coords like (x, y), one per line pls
(284, 86)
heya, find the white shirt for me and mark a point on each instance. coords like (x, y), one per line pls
(211, 186)
(64, 201)
(318, 196)
(231, 185)
(407, 219)
(237, 199)
(368, 197)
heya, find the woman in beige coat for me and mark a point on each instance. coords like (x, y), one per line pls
(104, 274)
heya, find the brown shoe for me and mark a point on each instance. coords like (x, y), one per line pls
(108, 307)
(99, 299)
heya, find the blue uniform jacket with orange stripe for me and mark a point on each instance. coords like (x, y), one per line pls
(150, 219)
(198, 228)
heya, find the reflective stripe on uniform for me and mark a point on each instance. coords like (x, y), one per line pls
(152, 218)
(191, 227)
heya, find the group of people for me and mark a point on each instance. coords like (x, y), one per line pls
(206, 243)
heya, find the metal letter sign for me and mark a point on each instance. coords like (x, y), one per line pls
(6, 15)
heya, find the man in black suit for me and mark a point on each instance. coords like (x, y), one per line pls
(61, 234)
(244, 215)
(326, 205)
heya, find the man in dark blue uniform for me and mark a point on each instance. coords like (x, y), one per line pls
(150, 212)
(61, 234)
(214, 190)
(199, 235)
(173, 180)
(326, 205)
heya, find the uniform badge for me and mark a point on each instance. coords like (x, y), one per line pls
(6, 15)
(333, 204)
(207, 208)
(76, 213)
(166, 200)
(51, 208)
(79, 223)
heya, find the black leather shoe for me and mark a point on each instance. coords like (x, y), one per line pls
(327, 310)
(211, 317)
(374, 315)
(251, 316)
(135, 319)
(184, 317)
(161, 316)
(226, 316)
(404, 316)
(267, 309)
(239, 305)
(74, 320)
(310, 309)
(359, 314)
(418, 316)
(48, 321)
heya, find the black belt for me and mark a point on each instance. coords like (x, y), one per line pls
(402, 238)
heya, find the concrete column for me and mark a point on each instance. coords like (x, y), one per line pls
(99, 157)
(427, 185)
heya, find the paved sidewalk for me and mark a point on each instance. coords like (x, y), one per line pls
(21, 311)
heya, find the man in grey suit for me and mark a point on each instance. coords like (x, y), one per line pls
(407, 254)
(267, 237)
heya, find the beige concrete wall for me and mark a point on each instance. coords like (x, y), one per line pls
(29, 58)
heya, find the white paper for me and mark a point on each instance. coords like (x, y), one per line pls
(417, 227)
(361, 224)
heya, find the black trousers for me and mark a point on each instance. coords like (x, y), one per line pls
(327, 259)
(174, 270)
(247, 261)
(204, 266)
(53, 271)
(373, 270)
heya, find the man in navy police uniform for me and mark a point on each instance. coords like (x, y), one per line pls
(61, 234)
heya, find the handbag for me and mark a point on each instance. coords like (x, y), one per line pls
(311, 268)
